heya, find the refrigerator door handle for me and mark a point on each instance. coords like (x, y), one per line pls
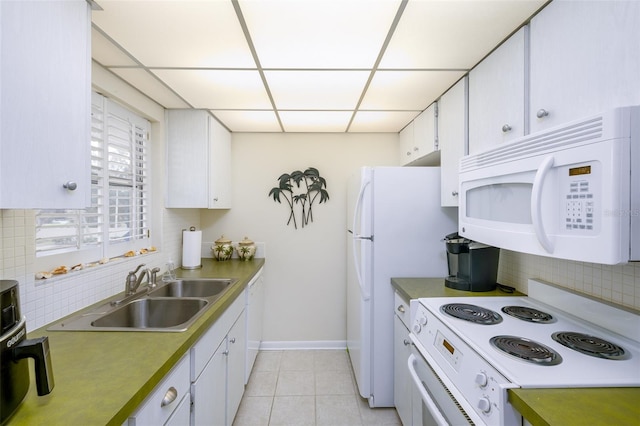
(356, 214)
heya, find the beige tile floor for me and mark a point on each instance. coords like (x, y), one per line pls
(307, 388)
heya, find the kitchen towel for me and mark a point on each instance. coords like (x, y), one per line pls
(191, 248)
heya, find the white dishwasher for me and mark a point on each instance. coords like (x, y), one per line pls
(254, 312)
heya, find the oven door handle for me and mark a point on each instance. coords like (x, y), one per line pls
(426, 398)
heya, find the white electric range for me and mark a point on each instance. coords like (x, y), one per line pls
(478, 347)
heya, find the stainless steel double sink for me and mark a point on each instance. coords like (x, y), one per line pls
(170, 307)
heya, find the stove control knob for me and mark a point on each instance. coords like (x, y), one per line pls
(484, 405)
(481, 379)
(423, 320)
(417, 328)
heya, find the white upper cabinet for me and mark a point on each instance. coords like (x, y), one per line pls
(497, 96)
(452, 136)
(198, 161)
(45, 104)
(419, 139)
(585, 58)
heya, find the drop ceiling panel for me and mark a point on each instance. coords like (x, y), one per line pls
(218, 89)
(453, 34)
(315, 121)
(248, 121)
(381, 121)
(318, 34)
(105, 53)
(407, 90)
(176, 33)
(149, 84)
(316, 90)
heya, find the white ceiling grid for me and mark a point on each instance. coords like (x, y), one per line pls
(301, 65)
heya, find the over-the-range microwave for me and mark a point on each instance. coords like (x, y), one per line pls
(570, 192)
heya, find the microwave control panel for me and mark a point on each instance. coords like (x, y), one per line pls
(580, 196)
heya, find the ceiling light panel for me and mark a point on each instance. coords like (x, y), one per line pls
(148, 84)
(407, 90)
(453, 33)
(381, 121)
(316, 89)
(248, 121)
(318, 33)
(315, 121)
(172, 33)
(218, 89)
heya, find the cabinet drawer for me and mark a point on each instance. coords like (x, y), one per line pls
(152, 411)
(204, 348)
(401, 308)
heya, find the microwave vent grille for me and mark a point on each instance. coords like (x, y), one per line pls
(569, 136)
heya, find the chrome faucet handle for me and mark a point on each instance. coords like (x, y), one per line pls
(137, 269)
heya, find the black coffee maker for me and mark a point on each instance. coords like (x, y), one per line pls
(14, 351)
(473, 266)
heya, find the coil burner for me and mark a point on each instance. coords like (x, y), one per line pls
(528, 314)
(526, 350)
(589, 345)
(472, 313)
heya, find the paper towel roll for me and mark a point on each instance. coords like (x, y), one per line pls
(191, 249)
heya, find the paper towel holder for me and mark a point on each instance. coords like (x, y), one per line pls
(192, 253)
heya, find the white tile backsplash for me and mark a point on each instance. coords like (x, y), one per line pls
(45, 301)
(614, 283)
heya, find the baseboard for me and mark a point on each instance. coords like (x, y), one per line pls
(303, 345)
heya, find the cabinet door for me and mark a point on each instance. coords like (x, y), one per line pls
(407, 148)
(452, 134)
(402, 379)
(209, 391)
(182, 414)
(220, 166)
(585, 58)
(424, 132)
(497, 96)
(237, 347)
(187, 159)
(45, 103)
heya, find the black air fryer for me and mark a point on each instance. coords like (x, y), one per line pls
(14, 351)
(472, 266)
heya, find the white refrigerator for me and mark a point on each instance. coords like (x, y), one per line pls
(396, 227)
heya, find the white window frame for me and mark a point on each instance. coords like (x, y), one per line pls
(121, 160)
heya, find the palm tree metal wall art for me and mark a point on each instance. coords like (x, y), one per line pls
(301, 189)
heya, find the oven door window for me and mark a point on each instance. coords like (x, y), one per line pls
(433, 403)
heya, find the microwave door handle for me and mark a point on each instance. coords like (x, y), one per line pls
(536, 204)
(426, 398)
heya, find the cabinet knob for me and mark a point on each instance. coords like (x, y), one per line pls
(408, 153)
(169, 397)
(233, 340)
(215, 199)
(542, 113)
(225, 352)
(401, 309)
(71, 185)
(416, 149)
(454, 193)
(506, 128)
(406, 342)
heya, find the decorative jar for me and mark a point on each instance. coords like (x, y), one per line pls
(246, 249)
(222, 249)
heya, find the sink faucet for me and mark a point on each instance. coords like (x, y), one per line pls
(133, 282)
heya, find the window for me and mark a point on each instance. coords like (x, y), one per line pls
(119, 217)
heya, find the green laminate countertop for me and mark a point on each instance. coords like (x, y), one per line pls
(554, 407)
(101, 377)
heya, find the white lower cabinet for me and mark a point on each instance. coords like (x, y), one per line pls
(217, 369)
(169, 403)
(402, 349)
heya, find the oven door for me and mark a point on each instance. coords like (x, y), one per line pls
(433, 404)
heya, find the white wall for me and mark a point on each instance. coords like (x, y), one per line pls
(305, 267)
